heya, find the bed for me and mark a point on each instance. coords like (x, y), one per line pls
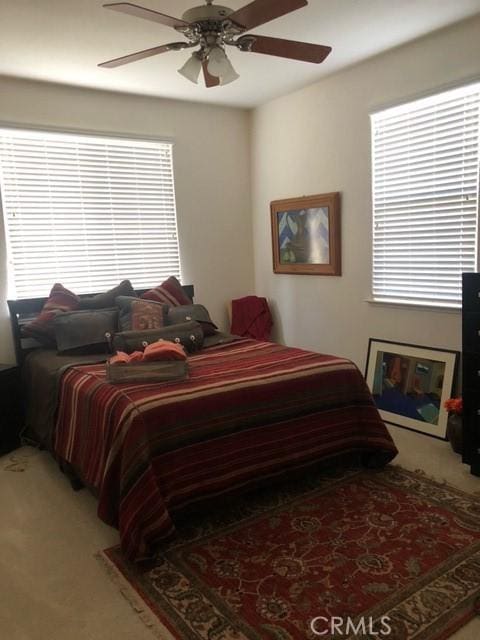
(249, 412)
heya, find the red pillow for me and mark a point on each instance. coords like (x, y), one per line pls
(43, 327)
(169, 292)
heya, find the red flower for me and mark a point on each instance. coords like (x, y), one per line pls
(454, 405)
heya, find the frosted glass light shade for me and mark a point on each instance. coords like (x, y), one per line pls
(230, 75)
(191, 69)
(218, 63)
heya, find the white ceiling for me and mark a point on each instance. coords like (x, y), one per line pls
(64, 40)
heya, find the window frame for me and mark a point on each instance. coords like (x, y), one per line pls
(107, 136)
(473, 87)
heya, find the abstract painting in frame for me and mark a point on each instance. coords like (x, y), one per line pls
(410, 384)
(306, 235)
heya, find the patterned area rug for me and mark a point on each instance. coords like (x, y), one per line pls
(348, 553)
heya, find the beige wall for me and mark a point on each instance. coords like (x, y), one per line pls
(317, 140)
(211, 156)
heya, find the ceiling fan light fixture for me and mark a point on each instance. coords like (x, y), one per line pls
(212, 28)
(218, 63)
(191, 69)
(230, 76)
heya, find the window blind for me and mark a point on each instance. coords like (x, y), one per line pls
(86, 211)
(425, 197)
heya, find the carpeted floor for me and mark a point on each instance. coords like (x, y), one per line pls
(52, 586)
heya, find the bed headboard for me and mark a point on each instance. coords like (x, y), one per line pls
(25, 310)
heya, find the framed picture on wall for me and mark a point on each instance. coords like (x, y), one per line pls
(306, 235)
(410, 384)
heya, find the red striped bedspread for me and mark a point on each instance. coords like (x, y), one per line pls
(248, 411)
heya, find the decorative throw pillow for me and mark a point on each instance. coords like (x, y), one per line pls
(169, 292)
(189, 335)
(137, 314)
(188, 312)
(84, 332)
(107, 299)
(43, 328)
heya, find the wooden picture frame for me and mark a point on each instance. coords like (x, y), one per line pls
(306, 235)
(410, 383)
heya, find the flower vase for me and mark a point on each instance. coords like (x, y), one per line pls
(455, 432)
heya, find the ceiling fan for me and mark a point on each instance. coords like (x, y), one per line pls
(212, 27)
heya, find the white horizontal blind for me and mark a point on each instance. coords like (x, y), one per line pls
(87, 211)
(425, 197)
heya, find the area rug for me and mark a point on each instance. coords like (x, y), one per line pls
(351, 553)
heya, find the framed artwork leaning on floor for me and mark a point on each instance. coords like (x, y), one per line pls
(410, 384)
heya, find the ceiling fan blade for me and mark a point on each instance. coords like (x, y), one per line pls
(147, 14)
(210, 81)
(261, 11)
(303, 51)
(133, 57)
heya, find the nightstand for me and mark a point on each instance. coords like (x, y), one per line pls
(11, 410)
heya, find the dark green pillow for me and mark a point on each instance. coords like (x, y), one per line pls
(188, 334)
(84, 332)
(107, 299)
(189, 312)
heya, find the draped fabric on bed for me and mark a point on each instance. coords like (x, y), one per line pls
(248, 411)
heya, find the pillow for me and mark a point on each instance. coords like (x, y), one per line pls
(169, 292)
(42, 328)
(85, 332)
(197, 312)
(189, 335)
(137, 314)
(107, 300)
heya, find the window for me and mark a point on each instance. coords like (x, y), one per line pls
(425, 198)
(86, 211)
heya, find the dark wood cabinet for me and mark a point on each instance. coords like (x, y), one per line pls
(11, 410)
(471, 370)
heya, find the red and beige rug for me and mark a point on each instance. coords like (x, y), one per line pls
(353, 553)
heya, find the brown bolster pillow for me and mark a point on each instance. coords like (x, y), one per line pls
(188, 334)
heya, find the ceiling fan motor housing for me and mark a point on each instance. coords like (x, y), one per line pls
(208, 13)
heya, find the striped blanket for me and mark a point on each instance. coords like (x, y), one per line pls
(249, 410)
